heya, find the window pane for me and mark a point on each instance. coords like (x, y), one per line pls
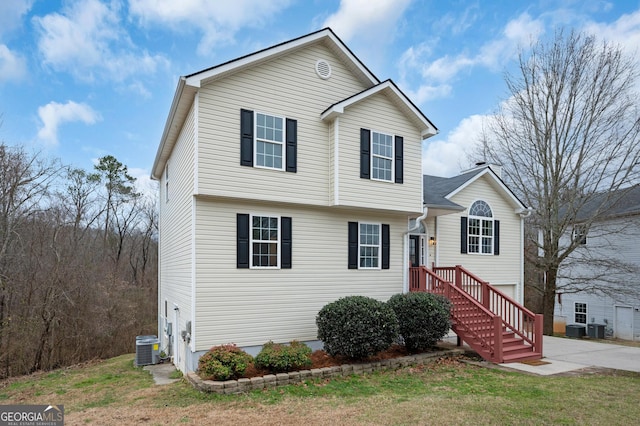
(382, 156)
(265, 241)
(369, 245)
(474, 244)
(269, 155)
(487, 228)
(480, 208)
(487, 245)
(269, 127)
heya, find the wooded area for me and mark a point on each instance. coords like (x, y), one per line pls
(78, 262)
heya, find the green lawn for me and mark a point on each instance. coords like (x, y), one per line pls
(447, 392)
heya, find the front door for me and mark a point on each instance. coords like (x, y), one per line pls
(414, 250)
(624, 322)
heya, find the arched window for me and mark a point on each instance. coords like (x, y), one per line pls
(481, 232)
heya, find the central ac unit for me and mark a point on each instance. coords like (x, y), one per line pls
(147, 350)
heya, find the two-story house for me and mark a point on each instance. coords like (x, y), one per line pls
(599, 283)
(292, 177)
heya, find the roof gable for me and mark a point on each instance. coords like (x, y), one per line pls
(388, 87)
(188, 85)
(325, 36)
(438, 191)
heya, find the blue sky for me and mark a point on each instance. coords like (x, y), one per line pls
(81, 79)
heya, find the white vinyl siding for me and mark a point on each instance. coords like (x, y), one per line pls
(175, 230)
(504, 269)
(379, 114)
(286, 86)
(249, 306)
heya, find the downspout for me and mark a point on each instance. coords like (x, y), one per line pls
(405, 273)
(523, 213)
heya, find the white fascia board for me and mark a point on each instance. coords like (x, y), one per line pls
(495, 179)
(156, 170)
(339, 107)
(200, 78)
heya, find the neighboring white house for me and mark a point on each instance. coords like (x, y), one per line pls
(600, 283)
(292, 177)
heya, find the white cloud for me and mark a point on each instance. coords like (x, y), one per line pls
(625, 31)
(218, 21)
(144, 184)
(12, 65)
(440, 155)
(438, 74)
(366, 19)
(88, 41)
(11, 12)
(54, 114)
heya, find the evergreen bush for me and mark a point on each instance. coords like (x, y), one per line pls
(356, 327)
(423, 318)
(280, 358)
(223, 362)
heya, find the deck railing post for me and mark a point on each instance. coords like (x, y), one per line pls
(538, 333)
(497, 329)
(485, 295)
(458, 276)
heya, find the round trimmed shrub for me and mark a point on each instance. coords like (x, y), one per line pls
(356, 327)
(280, 358)
(423, 318)
(223, 362)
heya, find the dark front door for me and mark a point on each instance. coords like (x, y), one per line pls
(414, 250)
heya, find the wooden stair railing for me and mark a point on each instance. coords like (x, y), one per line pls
(494, 325)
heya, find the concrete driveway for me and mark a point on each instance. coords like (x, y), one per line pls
(562, 355)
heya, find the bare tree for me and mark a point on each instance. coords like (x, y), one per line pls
(25, 185)
(567, 138)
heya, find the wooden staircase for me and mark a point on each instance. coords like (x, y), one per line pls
(497, 327)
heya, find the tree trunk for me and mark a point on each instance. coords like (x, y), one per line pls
(549, 301)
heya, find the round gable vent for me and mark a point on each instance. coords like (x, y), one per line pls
(323, 69)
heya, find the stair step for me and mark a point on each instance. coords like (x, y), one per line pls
(516, 349)
(521, 357)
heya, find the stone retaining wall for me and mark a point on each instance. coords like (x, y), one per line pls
(282, 379)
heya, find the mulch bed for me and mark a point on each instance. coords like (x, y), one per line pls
(320, 359)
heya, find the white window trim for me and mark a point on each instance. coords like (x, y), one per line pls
(283, 143)
(392, 158)
(580, 232)
(251, 240)
(480, 236)
(586, 313)
(379, 245)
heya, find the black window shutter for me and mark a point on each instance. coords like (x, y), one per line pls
(242, 245)
(365, 153)
(353, 245)
(463, 235)
(285, 234)
(399, 159)
(496, 237)
(292, 145)
(385, 246)
(246, 138)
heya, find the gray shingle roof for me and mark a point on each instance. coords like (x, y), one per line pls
(622, 202)
(436, 188)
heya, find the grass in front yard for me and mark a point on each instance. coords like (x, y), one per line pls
(447, 392)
